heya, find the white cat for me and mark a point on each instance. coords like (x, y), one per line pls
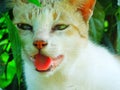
(56, 50)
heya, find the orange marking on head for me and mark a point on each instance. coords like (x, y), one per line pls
(72, 2)
(87, 8)
(54, 15)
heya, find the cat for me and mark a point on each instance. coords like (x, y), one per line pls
(56, 50)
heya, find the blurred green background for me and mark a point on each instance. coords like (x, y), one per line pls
(104, 30)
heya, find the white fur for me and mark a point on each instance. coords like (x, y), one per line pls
(94, 69)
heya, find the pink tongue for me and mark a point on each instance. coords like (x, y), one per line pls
(42, 63)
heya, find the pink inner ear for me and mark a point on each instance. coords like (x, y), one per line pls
(87, 8)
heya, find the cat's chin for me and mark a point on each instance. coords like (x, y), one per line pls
(54, 64)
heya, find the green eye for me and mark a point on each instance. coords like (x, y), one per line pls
(60, 27)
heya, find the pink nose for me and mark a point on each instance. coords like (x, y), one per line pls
(39, 44)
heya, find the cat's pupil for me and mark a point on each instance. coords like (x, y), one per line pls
(24, 26)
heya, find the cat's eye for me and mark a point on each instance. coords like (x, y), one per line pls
(60, 27)
(24, 26)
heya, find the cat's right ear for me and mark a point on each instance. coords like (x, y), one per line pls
(84, 6)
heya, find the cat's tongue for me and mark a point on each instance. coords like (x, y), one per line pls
(42, 63)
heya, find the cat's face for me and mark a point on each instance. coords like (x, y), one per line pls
(59, 25)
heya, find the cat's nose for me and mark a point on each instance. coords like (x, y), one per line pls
(39, 44)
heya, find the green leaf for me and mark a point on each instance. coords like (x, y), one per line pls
(109, 6)
(5, 56)
(118, 37)
(16, 45)
(36, 2)
(11, 70)
(118, 31)
(2, 66)
(97, 24)
(2, 19)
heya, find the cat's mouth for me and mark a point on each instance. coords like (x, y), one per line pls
(44, 63)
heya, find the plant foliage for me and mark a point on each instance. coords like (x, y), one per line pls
(36, 2)
(15, 45)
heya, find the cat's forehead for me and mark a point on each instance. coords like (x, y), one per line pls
(25, 7)
(30, 11)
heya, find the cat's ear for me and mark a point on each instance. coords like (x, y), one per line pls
(85, 7)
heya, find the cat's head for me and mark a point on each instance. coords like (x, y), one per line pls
(53, 34)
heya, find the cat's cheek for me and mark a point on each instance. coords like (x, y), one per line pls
(52, 50)
(27, 46)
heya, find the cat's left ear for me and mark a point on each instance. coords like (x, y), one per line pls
(85, 7)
